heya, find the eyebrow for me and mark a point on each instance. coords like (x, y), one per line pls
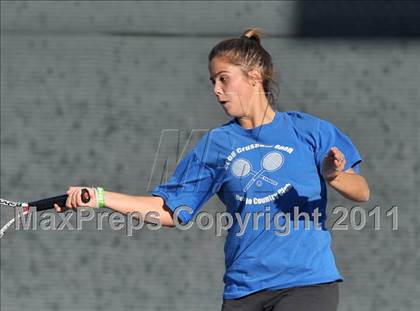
(221, 71)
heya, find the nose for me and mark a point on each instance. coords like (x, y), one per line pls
(217, 89)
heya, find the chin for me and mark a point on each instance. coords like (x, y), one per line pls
(229, 113)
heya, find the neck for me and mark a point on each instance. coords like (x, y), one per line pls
(260, 115)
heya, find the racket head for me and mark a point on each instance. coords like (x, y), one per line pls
(39, 205)
(25, 210)
(241, 168)
(11, 203)
(272, 161)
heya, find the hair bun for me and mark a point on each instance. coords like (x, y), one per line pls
(252, 34)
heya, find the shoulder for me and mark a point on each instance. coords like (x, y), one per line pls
(307, 122)
(302, 121)
(302, 118)
(214, 137)
(220, 133)
(307, 127)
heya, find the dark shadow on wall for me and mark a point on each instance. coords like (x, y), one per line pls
(337, 19)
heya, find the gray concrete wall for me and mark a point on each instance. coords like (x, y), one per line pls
(87, 88)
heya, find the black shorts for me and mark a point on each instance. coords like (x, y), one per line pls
(319, 297)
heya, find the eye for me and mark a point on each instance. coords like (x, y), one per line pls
(222, 79)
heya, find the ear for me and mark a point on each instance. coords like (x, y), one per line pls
(255, 75)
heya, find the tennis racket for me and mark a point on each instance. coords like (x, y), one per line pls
(272, 162)
(242, 167)
(40, 205)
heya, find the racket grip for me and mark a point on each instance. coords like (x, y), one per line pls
(48, 203)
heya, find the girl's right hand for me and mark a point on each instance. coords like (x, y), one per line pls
(74, 199)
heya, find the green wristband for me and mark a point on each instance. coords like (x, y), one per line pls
(100, 198)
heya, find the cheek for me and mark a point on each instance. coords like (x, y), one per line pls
(238, 88)
(244, 92)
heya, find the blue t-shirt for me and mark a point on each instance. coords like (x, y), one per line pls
(270, 169)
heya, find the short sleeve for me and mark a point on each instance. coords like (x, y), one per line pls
(329, 136)
(191, 185)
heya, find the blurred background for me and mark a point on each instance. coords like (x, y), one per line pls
(88, 87)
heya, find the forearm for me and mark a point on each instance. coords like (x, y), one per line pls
(143, 205)
(352, 186)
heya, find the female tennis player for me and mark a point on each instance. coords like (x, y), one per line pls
(261, 161)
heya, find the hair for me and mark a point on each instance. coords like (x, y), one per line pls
(248, 53)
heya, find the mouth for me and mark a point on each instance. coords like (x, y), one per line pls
(223, 102)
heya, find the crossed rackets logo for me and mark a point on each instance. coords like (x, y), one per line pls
(271, 162)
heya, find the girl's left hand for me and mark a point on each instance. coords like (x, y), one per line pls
(333, 164)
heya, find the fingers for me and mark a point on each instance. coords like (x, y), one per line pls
(74, 198)
(69, 201)
(335, 159)
(339, 159)
(59, 209)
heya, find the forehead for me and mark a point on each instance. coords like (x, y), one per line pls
(218, 65)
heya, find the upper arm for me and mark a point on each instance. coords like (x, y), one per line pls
(191, 185)
(350, 170)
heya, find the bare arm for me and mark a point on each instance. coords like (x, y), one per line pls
(351, 186)
(124, 204)
(348, 183)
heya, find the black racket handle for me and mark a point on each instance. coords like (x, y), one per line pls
(48, 203)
